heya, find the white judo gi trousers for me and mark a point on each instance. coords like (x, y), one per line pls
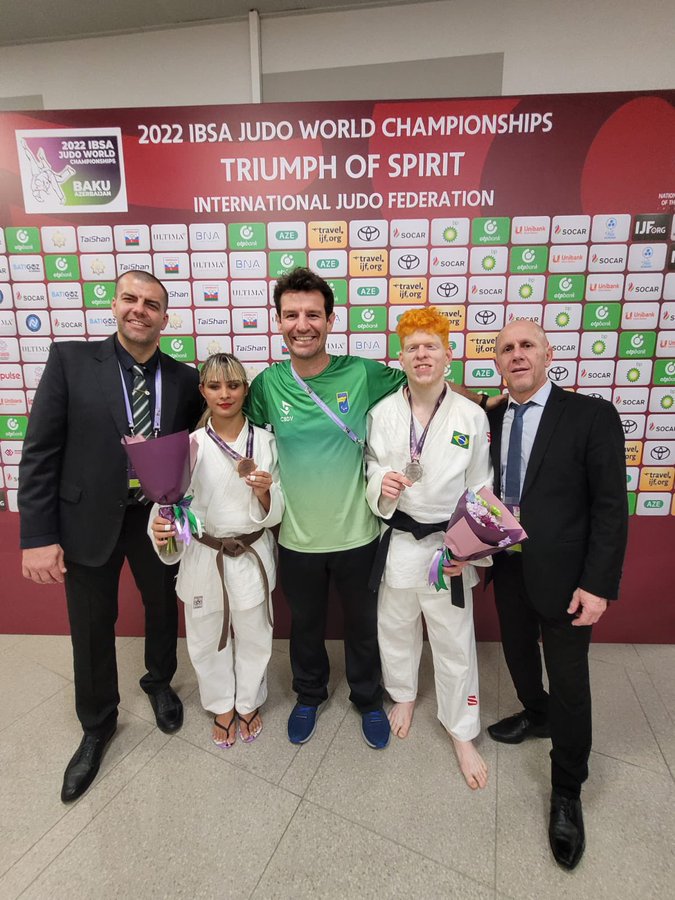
(453, 646)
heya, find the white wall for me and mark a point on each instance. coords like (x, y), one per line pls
(549, 47)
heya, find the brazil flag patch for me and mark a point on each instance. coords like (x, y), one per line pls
(460, 440)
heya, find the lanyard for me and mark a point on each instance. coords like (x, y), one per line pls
(158, 402)
(237, 457)
(415, 445)
(326, 409)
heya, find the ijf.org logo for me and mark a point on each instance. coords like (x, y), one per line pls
(285, 410)
(343, 401)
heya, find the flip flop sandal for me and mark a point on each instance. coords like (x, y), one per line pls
(247, 721)
(227, 743)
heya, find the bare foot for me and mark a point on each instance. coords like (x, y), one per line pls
(400, 718)
(224, 732)
(471, 764)
(250, 726)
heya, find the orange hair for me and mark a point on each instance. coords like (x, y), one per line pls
(426, 319)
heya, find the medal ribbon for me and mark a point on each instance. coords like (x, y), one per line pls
(352, 435)
(415, 445)
(237, 457)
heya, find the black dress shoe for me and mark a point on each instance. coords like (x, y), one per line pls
(566, 830)
(515, 729)
(168, 710)
(84, 766)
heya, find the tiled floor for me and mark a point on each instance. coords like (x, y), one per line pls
(176, 817)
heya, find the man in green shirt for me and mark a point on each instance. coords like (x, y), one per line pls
(317, 406)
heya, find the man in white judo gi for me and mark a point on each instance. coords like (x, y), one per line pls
(427, 445)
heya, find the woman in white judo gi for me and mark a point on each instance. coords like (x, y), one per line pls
(426, 445)
(226, 577)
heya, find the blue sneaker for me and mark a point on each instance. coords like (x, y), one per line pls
(375, 729)
(302, 722)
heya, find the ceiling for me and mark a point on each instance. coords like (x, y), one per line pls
(37, 21)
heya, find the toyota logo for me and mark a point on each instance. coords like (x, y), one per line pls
(659, 452)
(597, 396)
(447, 289)
(629, 426)
(368, 233)
(558, 373)
(409, 261)
(486, 316)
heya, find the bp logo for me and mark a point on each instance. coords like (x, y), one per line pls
(599, 347)
(368, 233)
(558, 373)
(488, 262)
(562, 320)
(447, 289)
(659, 452)
(409, 261)
(667, 402)
(450, 234)
(525, 291)
(633, 375)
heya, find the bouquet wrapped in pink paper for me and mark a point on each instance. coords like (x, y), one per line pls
(162, 467)
(480, 526)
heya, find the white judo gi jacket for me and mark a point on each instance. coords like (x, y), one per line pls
(226, 506)
(456, 456)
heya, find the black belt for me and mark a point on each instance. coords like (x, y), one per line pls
(401, 521)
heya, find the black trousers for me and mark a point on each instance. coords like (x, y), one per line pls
(91, 592)
(567, 706)
(305, 578)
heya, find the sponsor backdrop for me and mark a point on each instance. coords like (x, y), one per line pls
(553, 208)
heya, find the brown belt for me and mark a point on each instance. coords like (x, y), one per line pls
(234, 546)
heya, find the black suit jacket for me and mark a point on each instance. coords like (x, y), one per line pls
(73, 474)
(573, 503)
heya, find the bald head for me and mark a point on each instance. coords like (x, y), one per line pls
(522, 354)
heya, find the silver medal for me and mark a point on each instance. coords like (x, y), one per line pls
(413, 471)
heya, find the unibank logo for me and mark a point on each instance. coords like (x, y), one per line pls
(530, 229)
(568, 258)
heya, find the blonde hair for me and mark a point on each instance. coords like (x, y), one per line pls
(220, 367)
(427, 319)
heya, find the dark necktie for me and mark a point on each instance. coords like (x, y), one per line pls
(512, 485)
(140, 408)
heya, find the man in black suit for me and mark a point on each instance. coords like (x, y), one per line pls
(559, 459)
(81, 513)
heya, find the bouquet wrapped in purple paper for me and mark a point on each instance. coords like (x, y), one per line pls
(162, 467)
(480, 526)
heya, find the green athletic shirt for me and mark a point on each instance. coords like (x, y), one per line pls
(321, 468)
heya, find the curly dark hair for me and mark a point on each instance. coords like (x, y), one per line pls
(303, 280)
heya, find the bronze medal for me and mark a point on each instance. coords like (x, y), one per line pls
(246, 466)
(413, 471)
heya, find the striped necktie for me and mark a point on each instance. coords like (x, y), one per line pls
(140, 408)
